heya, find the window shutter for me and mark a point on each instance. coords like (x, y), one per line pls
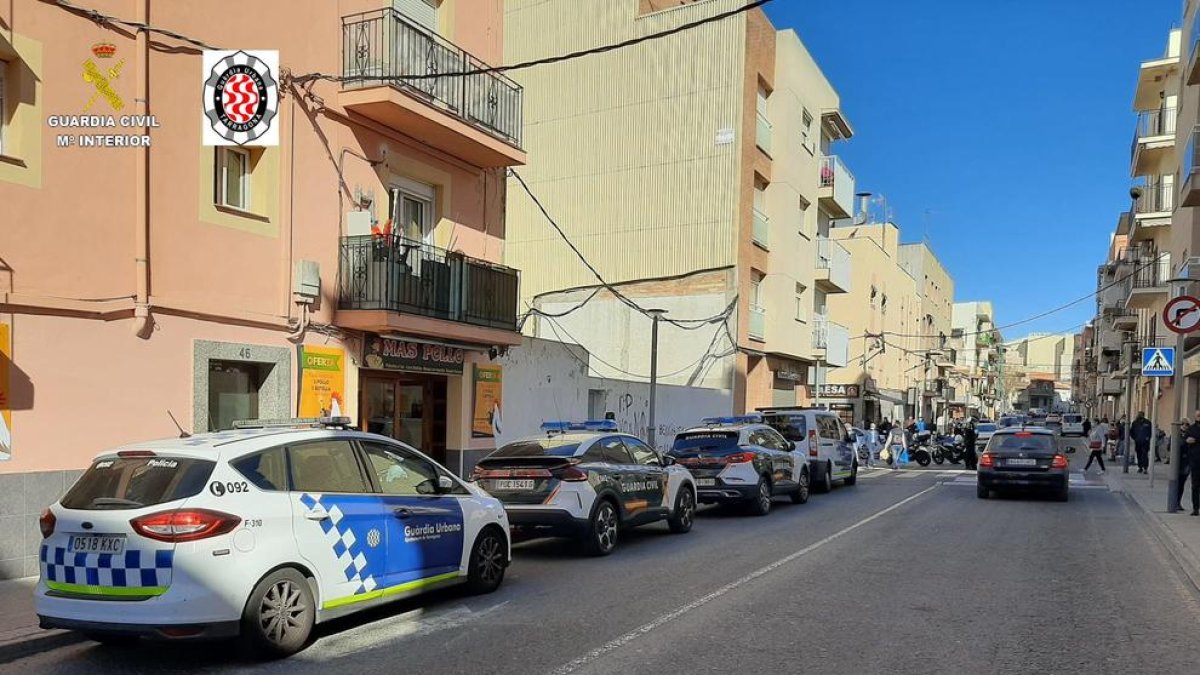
(423, 12)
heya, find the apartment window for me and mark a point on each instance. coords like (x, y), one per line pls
(423, 12)
(801, 310)
(233, 178)
(761, 103)
(883, 304)
(756, 279)
(804, 204)
(412, 210)
(806, 131)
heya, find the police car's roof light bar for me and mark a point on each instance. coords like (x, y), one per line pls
(586, 425)
(734, 419)
(293, 422)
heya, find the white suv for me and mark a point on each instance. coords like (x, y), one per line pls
(823, 435)
(259, 532)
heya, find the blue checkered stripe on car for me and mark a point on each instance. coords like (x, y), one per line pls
(130, 569)
(342, 541)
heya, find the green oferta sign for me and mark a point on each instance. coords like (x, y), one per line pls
(322, 361)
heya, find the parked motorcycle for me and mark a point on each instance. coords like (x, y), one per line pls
(949, 448)
(922, 451)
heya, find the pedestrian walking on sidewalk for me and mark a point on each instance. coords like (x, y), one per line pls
(1140, 432)
(1192, 442)
(1096, 440)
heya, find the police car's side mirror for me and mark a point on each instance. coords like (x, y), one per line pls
(668, 460)
(445, 484)
(791, 445)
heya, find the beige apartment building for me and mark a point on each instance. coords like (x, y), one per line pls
(698, 175)
(936, 291)
(885, 315)
(977, 344)
(355, 267)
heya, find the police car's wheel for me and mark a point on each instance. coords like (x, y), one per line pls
(761, 504)
(488, 560)
(602, 530)
(800, 496)
(685, 512)
(278, 618)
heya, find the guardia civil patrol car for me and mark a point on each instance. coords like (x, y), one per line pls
(740, 460)
(259, 532)
(587, 481)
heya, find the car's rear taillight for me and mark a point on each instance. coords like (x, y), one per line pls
(46, 522)
(812, 442)
(184, 525)
(570, 473)
(738, 458)
(987, 460)
(1059, 462)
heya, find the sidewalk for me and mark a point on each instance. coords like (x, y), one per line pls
(19, 632)
(1179, 531)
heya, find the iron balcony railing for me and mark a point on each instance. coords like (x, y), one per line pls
(384, 46)
(402, 275)
(1157, 197)
(1149, 270)
(1159, 122)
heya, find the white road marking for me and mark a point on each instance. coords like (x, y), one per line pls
(645, 629)
(409, 624)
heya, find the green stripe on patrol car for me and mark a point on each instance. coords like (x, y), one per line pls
(391, 590)
(108, 591)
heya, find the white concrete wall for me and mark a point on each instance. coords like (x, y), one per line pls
(546, 380)
(620, 338)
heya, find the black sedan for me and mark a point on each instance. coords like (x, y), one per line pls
(1023, 458)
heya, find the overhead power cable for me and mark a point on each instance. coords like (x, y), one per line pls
(686, 324)
(569, 56)
(102, 19)
(1044, 314)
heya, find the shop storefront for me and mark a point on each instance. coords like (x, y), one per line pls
(404, 391)
(845, 400)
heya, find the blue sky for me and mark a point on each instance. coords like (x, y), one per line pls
(999, 129)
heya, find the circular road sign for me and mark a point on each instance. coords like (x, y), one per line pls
(1182, 314)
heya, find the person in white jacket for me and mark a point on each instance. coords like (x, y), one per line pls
(1096, 440)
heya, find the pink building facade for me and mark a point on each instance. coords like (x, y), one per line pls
(181, 280)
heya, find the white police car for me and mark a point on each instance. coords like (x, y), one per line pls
(586, 480)
(259, 532)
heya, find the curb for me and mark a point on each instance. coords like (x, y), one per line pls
(1165, 537)
(37, 640)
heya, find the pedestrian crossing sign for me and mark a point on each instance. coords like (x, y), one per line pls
(1158, 361)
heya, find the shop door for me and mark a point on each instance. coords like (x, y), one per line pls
(408, 408)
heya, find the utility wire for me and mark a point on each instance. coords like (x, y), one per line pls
(555, 327)
(569, 56)
(1035, 317)
(686, 324)
(103, 19)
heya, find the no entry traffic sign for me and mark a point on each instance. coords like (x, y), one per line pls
(1182, 314)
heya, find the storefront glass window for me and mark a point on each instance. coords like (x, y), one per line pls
(234, 388)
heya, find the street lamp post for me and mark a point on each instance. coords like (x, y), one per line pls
(656, 315)
(1135, 193)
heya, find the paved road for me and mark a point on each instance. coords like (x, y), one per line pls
(908, 572)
